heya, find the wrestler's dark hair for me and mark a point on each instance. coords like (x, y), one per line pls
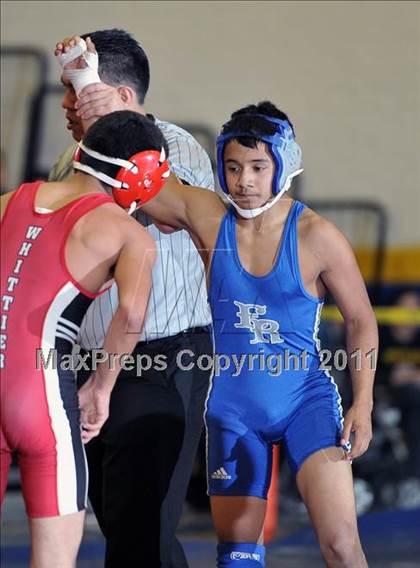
(245, 120)
(121, 134)
(122, 61)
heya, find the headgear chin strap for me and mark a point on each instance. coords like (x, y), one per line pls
(251, 213)
(286, 154)
(139, 179)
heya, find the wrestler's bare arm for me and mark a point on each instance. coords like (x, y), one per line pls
(340, 273)
(195, 209)
(132, 274)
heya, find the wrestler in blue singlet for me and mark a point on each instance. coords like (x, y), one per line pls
(271, 315)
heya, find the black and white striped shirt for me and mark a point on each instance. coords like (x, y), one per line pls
(178, 299)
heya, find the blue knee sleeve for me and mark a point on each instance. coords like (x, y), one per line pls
(240, 555)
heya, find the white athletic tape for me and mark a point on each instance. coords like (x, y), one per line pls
(80, 78)
(73, 54)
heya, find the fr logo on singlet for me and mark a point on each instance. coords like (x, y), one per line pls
(264, 330)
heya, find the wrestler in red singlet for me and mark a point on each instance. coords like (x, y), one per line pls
(41, 309)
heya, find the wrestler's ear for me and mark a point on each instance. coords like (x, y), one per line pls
(127, 94)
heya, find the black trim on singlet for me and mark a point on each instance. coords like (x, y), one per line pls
(74, 313)
(68, 392)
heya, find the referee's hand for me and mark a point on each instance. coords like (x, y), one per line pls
(99, 99)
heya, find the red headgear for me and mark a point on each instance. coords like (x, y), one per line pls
(139, 179)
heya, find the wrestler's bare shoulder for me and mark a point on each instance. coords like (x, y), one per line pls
(110, 225)
(321, 236)
(312, 225)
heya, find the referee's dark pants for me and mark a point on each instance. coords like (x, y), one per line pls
(140, 464)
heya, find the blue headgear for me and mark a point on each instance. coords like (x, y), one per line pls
(286, 153)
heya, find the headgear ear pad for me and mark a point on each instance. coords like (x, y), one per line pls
(139, 179)
(142, 182)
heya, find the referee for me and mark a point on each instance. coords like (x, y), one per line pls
(140, 464)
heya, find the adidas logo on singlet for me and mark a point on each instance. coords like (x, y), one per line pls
(220, 474)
